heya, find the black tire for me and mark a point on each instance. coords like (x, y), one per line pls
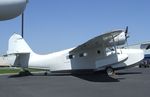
(45, 73)
(109, 71)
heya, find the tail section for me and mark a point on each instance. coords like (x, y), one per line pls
(17, 45)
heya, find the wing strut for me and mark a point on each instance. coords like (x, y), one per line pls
(114, 44)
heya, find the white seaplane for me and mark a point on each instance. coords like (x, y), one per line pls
(99, 53)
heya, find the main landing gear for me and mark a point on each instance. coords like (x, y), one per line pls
(110, 71)
(46, 73)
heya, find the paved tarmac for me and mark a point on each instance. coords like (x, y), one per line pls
(133, 82)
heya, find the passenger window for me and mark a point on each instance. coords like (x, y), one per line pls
(98, 52)
(82, 54)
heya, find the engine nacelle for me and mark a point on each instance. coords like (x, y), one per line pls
(117, 40)
(10, 9)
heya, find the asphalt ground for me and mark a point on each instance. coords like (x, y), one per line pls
(134, 82)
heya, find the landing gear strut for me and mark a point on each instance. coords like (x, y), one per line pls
(46, 73)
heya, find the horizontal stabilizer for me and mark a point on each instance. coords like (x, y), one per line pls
(22, 60)
(7, 60)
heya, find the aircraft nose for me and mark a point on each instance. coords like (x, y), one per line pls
(137, 55)
(134, 56)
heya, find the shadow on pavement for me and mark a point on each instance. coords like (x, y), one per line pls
(127, 73)
(21, 74)
(87, 77)
(92, 77)
(97, 78)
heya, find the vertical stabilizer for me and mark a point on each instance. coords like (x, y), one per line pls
(17, 45)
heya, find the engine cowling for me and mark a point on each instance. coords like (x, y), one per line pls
(117, 40)
(10, 9)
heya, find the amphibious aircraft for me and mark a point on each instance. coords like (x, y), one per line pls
(10, 9)
(99, 53)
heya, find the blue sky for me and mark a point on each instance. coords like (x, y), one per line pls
(53, 25)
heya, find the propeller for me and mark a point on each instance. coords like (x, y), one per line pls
(126, 34)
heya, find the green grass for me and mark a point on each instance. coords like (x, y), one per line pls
(5, 71)
(17, 70)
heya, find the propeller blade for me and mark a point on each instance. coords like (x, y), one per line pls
(126, 32)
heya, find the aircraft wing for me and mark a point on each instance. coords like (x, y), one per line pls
(102, 41)
(15, 59)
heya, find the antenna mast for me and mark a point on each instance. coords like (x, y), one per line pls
(22, 25)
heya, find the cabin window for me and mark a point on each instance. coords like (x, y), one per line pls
(70, 56)
(98, 52)
(82, 54)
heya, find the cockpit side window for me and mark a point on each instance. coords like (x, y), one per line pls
(70, 56)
